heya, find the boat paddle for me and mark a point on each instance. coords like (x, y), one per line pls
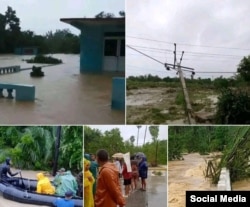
(20, 172)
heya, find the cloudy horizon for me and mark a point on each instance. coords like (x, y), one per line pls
(131, 130)
(43, 16)
(213, 34)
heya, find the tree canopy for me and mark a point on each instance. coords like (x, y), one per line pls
(113, 142)
(34, 147)
(244, 68)
(232, 141)
(12, 36)
(103, 14)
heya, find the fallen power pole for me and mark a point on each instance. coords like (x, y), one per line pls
(180, 70)
(186, 96)
(189, 109)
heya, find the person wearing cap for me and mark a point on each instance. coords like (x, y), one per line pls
(64, 202)
(108, 191)
(6, 174)
(57, 179)
(65, 182)
(44, 185)
(88, 185)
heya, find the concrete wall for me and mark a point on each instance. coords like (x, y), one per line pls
(26, 51)
(118, 93)
(92, 46)
(224, 183)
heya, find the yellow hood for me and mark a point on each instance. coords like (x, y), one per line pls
(40, 176)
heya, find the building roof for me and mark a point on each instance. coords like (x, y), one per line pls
(79, 22)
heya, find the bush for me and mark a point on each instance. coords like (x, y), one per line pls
(44, 59)
(233, 107)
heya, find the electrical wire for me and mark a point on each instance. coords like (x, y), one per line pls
(193, 45)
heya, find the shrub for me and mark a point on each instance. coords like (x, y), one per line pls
(44, 59)
(233, 107)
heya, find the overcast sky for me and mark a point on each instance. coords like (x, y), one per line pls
(201, 23)
(131, 130)
(42, 16)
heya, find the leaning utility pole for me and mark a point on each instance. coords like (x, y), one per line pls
(189, 109)
(186, 96)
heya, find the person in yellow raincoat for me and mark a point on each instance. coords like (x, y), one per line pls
(44, 185)
(88, 185)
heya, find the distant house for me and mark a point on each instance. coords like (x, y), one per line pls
(26, 51)
(102, 43)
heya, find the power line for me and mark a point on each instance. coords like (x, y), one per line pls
(173, 71)
(145, 55)
(165, 64)
(188, 52)
(193, 45)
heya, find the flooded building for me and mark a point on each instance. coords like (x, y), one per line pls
(26, 51)
(103, 50)
(102, 43)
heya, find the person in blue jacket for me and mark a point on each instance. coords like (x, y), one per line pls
(65, 202)
(143, 172)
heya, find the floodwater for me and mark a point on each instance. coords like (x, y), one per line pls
(63, 95)
(145, 96)
(7, 203)
(241, 185)
(186, 175)
(157, 190)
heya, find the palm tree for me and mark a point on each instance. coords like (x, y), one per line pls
(138, 126)
(145, 134)
(132, 139)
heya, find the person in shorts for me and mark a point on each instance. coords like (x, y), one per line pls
(127, 176)
(135, 174)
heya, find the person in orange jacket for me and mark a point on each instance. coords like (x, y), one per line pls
(44, 185)
(108, 192)
(88, 185)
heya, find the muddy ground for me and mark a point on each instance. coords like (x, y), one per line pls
(187, 174)
(164, 105)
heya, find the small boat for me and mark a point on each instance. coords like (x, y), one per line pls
(26, 193)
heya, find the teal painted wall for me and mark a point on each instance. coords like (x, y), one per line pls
(92, 46)
(118, 93)
(26, 51)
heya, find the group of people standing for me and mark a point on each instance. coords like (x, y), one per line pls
(139, 170)
(108, 191)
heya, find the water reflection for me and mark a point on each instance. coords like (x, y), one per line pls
(63, 95)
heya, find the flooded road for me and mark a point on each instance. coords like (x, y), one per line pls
(8, 203)
(186, 175)
(156, 192)
(63, 95)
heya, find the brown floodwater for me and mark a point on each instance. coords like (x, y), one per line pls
(63, 95)
(241, 185)
(186, 175)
